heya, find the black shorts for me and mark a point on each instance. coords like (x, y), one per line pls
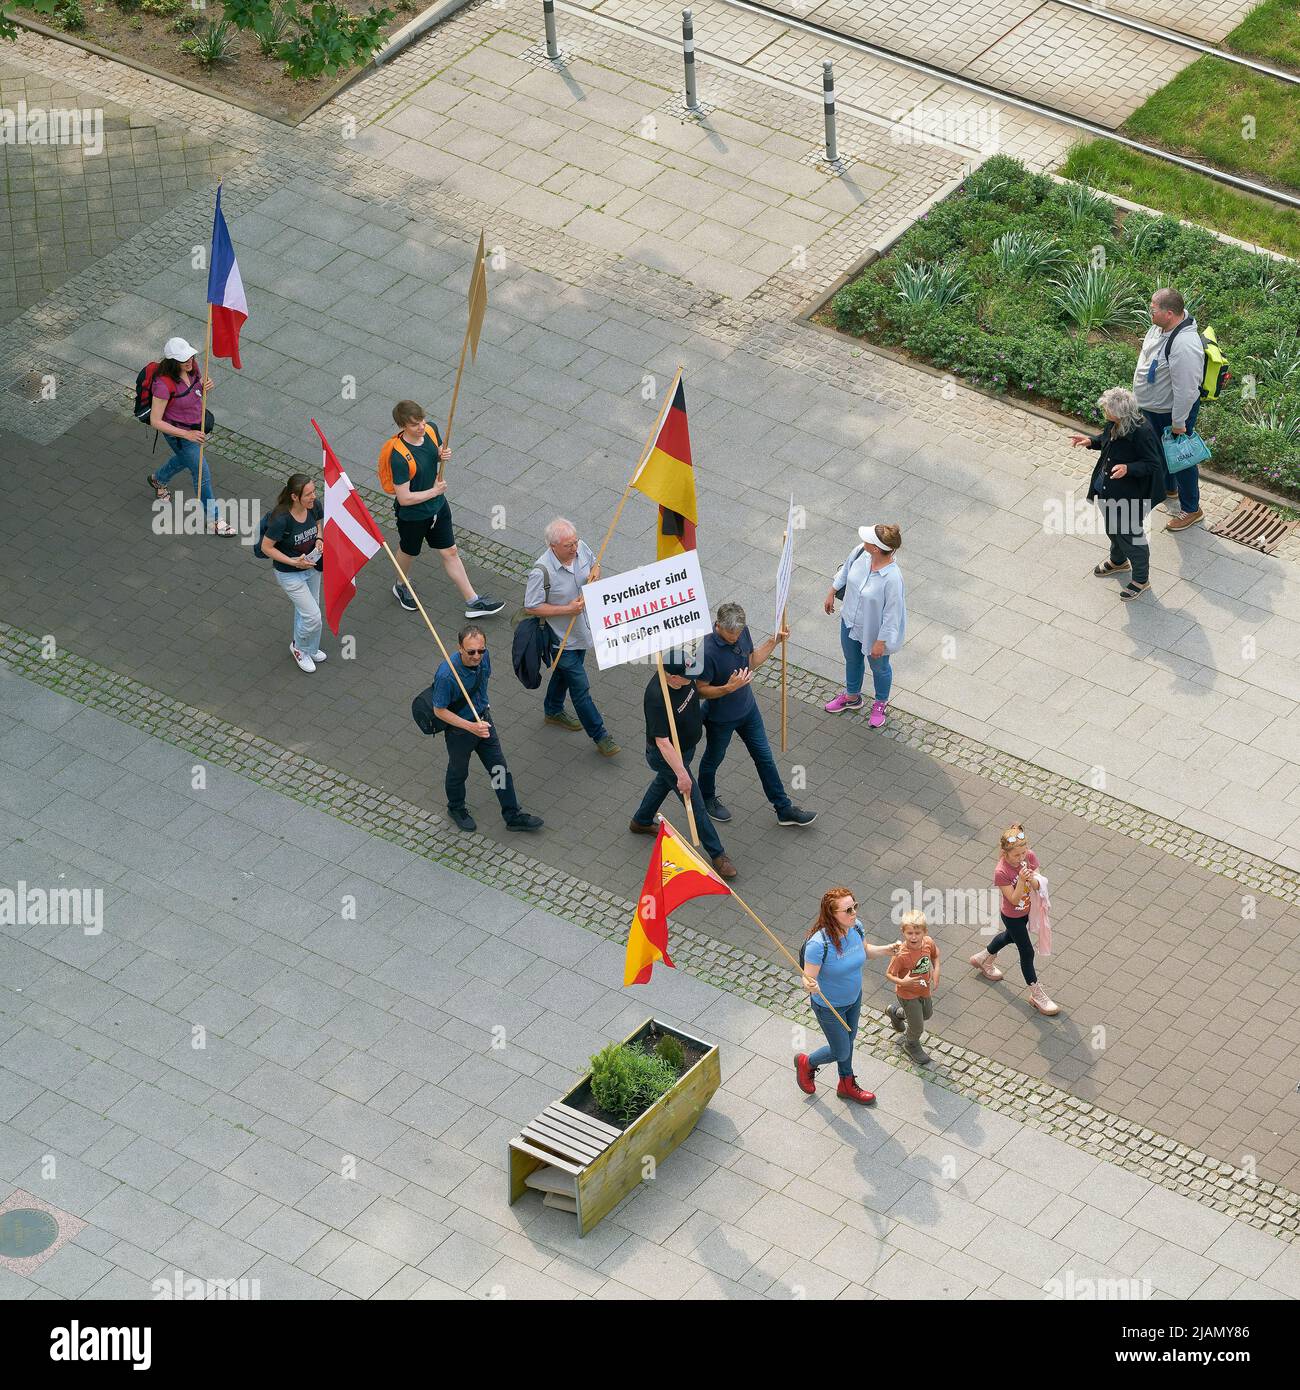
(436, 530)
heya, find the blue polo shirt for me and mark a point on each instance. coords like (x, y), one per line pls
(840, 976)
(720, 661)
(446, 693)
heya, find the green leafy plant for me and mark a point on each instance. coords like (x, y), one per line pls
(164, 9)
(71, 15)
(1139, 232)
(215, 44)
(1276, 420)
(986, 185)
(1098, 298)
(1279, 367)
(626, 1080)
(272, 29)
(329, 39)
(937, 285)
(186, 22)
(8, 29)
(1082, 204)
(672, 1051)
(1024, 253)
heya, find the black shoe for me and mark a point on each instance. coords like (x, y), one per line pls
(462, 819)
(521, 820)
(794, 816)
(483, 607)
(715, 808)
(403, 595)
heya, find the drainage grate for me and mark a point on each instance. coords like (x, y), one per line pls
(1255, 525)
(30, 387)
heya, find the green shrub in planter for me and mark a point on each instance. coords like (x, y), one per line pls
(673, 1052)
(625, 1080)
(1098, 298)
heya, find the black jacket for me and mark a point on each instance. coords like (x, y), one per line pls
(1139, 450)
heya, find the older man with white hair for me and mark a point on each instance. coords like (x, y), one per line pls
(554, 592)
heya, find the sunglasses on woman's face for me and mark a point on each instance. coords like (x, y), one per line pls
(849, 907)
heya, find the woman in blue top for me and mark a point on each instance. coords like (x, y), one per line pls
(835, 952)
(873, 620)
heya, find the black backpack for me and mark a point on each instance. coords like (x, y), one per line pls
(857, 927)
(422, 707)
(261, 536)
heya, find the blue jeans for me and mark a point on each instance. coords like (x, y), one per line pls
(839, 1044)
(303, 589)
(185, 454)
(717, 736)
(666, 781)
(570, 676)
(1188, 480)
(856, 662)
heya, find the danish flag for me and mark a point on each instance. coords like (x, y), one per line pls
(351, 536)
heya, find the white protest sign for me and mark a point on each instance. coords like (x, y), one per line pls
(640, 612)
(785, 568)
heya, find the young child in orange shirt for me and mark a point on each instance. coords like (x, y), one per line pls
(915, 973)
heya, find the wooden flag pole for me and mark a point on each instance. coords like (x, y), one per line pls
(455, 391)
(677, 745)
(627, 492)
(776, 941)
(203, 402)
(402, 578)
(785, 642)
(479, 263)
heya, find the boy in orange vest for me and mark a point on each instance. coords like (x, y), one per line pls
(420, 504)
(914, 972)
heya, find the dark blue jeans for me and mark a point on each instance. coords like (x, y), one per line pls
(461, 746)
(717, 736)
(666, 781)
(185, 454)
(1188, 480)
(570, 677)
(839, 1044)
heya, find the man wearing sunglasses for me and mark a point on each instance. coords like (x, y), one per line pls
(467, 735)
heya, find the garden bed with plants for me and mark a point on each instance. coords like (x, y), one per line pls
(277, 58)
(627, 1078)
(1040, 291)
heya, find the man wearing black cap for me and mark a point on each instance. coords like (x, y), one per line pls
(671, 771)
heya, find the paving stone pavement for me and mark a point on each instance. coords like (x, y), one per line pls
(234, 1080)
(201, 621)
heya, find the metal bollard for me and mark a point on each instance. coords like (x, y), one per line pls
(828, 96)
(552, 44)
(688, 53)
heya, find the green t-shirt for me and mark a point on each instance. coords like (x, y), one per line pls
(426, 474)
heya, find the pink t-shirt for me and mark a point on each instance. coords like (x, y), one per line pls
(1004, 876)
(184, 402)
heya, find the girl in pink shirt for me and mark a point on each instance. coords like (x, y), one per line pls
(1013, 877)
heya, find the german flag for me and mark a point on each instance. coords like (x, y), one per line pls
(675, 876)
(668, 478)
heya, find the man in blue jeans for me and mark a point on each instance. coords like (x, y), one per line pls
(554, 592)
(728, 660)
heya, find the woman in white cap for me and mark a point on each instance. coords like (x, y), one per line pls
(873, 620)
(177, 414)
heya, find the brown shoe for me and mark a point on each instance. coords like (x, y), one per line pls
(1186, 520)
(637, 828)
(725, 868)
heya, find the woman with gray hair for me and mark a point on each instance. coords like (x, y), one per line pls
(1127, 482)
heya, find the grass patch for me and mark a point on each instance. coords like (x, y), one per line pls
(1020, 285)
(1271, 33)
(1167, 188)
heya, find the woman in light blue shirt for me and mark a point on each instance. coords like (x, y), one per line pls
(873, 620)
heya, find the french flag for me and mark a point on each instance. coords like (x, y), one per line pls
(225, 292)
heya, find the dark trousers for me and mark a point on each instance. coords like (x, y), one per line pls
(1123, 518)
(1187, 481)
(570, 677)
(666, 781)
(1017, 929)
(753, 734)
(461, 745)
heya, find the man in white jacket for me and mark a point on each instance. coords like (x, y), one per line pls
(1167, 384)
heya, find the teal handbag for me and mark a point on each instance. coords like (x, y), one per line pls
(1182, 450)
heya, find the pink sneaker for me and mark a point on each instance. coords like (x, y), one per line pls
(842, 702)
(879, 712)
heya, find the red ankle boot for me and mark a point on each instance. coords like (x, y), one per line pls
(804, 1073)
(849, 1089)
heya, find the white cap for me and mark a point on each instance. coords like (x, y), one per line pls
(867, 535)
(178, 350)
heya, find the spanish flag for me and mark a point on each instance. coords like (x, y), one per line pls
(668, 478)
(675, 876)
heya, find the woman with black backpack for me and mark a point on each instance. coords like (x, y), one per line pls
(1128, 480)
(834, 955)
(291, 540)
(177, 386)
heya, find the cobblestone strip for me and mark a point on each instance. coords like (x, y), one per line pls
(1051, 788)
(1210, 1181)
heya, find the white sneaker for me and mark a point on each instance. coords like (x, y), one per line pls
(305, 663)
(318, 657)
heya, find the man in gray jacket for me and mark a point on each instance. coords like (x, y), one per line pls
(1167, 384)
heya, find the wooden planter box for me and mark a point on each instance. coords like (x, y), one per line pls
(587, 1166)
